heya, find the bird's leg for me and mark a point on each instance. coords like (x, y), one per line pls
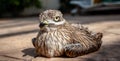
(76, 49)
(73, 50)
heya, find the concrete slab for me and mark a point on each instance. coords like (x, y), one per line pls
(16, 35)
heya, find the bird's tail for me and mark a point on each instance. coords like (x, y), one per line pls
(98, 36)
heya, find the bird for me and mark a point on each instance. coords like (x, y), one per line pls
(57, 37)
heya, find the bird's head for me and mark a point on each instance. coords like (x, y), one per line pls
(51, 19)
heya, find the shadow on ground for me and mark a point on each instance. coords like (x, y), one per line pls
(18, 33)
(29, 51)
(106, 53)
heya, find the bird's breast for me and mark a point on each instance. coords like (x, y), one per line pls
(53, 42)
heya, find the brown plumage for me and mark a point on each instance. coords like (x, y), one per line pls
(57, 37)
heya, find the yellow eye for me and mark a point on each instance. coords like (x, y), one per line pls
(57, 18)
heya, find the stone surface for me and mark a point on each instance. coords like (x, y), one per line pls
(16, 35)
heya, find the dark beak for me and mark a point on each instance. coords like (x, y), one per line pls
(42, 24)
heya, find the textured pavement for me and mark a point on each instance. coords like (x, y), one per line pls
(16, 35)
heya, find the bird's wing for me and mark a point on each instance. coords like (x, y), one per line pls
(86, 37)
(83, 42)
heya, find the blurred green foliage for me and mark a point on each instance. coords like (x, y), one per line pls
(16, 6)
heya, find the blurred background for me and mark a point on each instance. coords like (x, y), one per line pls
(73, 7)
(19, 24)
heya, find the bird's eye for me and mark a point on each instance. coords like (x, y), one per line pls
(57, 19)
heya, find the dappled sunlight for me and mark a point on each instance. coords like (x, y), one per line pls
(16, 35)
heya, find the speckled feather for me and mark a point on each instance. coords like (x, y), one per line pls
(66, 39)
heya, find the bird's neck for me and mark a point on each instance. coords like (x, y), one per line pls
(53, 28)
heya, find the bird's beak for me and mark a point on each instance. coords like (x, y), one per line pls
(42, 24)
